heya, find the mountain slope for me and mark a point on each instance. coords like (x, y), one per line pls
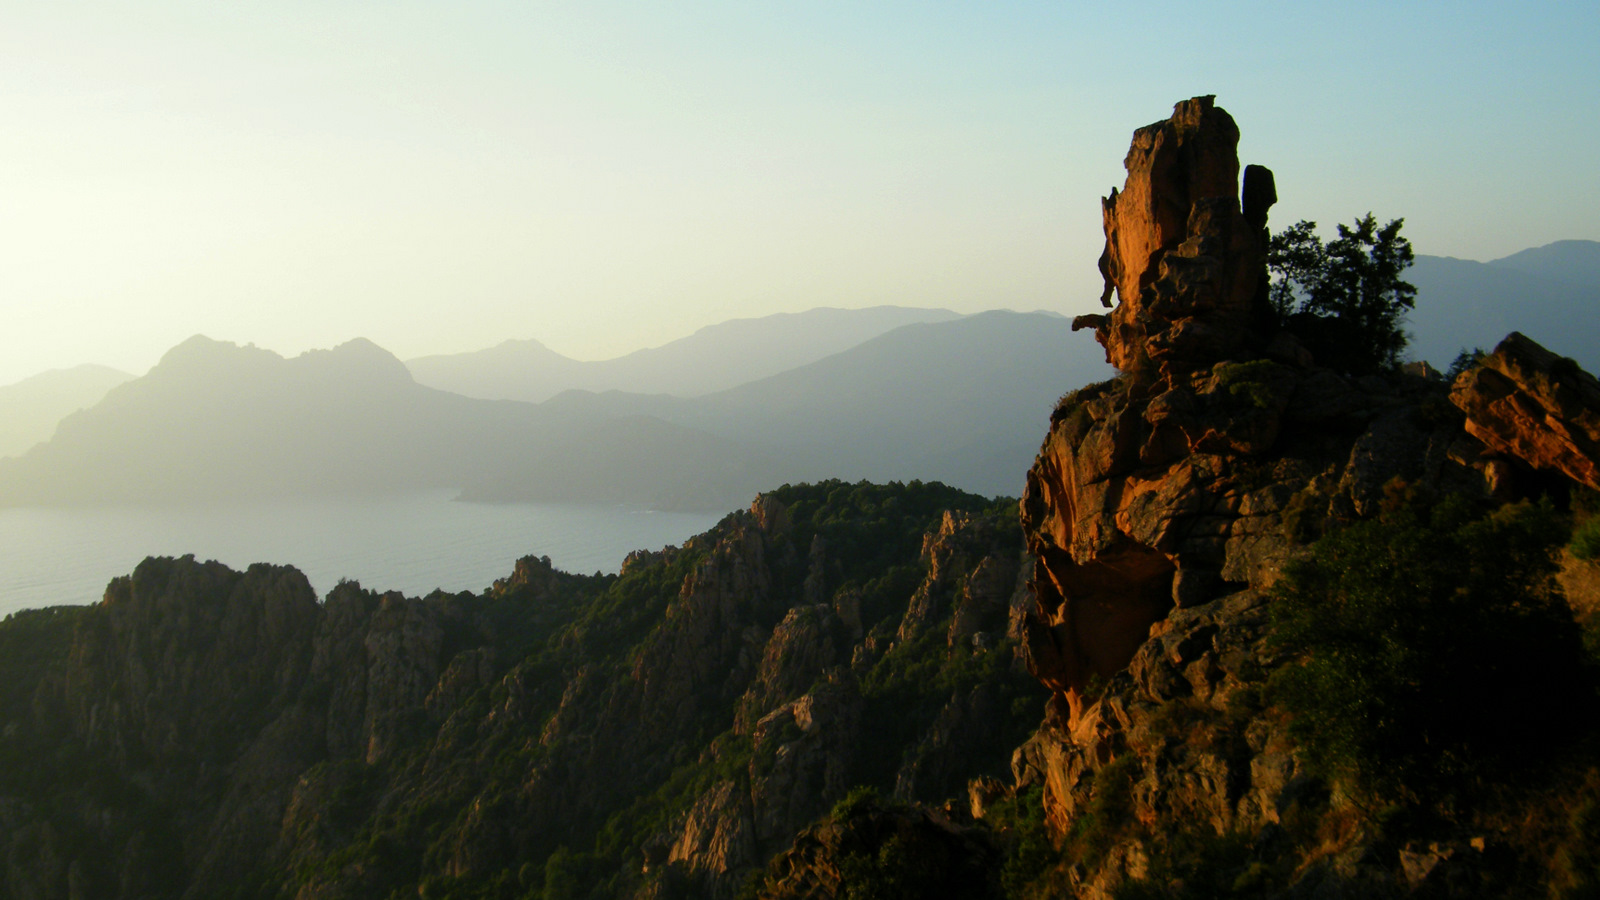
(953, 401)
(211, 733)
(31, 408)
(714, 358)
(1572, 262)
(1463, 304)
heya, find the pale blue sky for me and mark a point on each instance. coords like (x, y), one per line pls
(604, 177)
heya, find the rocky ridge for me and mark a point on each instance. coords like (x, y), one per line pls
(210, 733)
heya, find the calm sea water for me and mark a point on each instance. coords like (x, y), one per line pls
(412, 543)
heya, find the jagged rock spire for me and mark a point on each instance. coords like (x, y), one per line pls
(1186, 261)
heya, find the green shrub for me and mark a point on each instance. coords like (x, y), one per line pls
(1344, 299)
(1428, 647)
(1029, 856)
(860, 798)
(1199, 864)
(1465, 360)
(1245, 381)
(1109, 812)
(1586, 540)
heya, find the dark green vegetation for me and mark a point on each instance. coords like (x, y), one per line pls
(223, 734)
(1345, 298)
(1464, 360)
(1586, 536)
(1433, 650)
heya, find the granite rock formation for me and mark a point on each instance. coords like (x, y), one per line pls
(1165, 504)
(1184, 256)
(1526, 403)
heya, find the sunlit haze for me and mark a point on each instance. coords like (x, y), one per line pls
(605, 177)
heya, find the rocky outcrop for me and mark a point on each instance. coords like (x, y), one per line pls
(1180, 725)
(1527, 403)
(815, 732)
(1164, 505)
(1150, 497)
(1198, 471)
(203, 695)
(966, 574)
(1185, 258)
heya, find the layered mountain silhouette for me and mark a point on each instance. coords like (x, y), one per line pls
(957, 401)
(30, 409)
(216, 421)
(701, 423)
(951, 401)
(714, 358)
(1550, 293)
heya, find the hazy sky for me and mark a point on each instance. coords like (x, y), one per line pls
(440, 177)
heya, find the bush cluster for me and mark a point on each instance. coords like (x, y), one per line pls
(1344, 299)
(1430, 648)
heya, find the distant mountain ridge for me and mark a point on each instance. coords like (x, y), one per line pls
(1573, 262)
(216, 421)
(31, 408)
(1550, 293)
(956, 401)
(715, 358)
(953, 401)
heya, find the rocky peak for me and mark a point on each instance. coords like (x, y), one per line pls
(1164, 505)
(533, 573)
(1188, 478)
(1186, 259)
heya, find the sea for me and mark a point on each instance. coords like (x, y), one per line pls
(412, 543)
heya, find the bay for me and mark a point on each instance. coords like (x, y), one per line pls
(411, 543)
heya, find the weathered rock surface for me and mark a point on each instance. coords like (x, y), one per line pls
(1185, 259)
(1530, 404)
(816, 732)
(1149, 497)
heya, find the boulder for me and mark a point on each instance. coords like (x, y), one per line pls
(1528, 403)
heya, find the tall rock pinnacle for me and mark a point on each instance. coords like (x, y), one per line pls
(1186, 260)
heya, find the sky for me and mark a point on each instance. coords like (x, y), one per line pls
(603, 177)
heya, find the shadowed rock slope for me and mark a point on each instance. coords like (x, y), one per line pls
(210, 733)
